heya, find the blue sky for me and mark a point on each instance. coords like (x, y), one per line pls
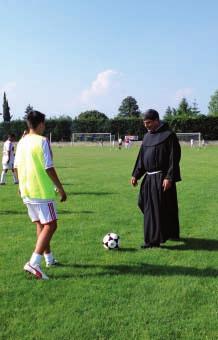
(64, 57)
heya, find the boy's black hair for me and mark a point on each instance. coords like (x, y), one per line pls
(34, 118)
(11, 135)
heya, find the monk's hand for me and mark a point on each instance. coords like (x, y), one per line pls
(134, 181)
(166, 184)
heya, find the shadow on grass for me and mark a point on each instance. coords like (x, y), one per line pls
(13, 212)
(138, 269)
(124, 250)
(75, 212)
(194, 244)
(92, 193)
(65, 167)
(64, 184)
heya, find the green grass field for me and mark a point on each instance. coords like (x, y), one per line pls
(166, 293)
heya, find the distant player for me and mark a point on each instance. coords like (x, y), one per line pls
(8, 159)
(37, 178)
(120, 142)
(127, 143)
(203, 144)
(192, 143)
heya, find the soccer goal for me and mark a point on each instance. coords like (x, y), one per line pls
(90, 138)
(192, 138)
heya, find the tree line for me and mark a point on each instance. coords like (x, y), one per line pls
(61, 128)
(184, 118)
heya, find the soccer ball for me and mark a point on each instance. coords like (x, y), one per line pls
(111, 241)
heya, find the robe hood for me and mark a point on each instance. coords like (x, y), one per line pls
(158, 136)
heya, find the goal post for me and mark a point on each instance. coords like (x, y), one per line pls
(192, 138)
(92, 138)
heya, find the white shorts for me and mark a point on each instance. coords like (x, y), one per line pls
(44, 212)
(8, 166)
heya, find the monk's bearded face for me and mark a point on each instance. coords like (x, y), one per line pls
(151, 125)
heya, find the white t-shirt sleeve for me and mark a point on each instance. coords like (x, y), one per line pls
(8, 146)
(47, 153)
(6, 152)
(17, 155)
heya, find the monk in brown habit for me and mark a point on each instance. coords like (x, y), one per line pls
(158, 161)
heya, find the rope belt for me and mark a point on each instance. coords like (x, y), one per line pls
(153, 172)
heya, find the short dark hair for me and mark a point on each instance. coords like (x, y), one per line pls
(151, 114)
(11, 135)
(34, 118)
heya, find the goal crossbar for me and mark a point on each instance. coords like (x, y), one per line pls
(91, 137)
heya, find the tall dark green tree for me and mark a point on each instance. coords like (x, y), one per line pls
(6, 110)
(195, 109)
(184, 110)
(170, 114)
(28, 109)
(129, 108)
(92, 115)
(213, 104)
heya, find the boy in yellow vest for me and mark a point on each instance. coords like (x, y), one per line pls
(37, 178)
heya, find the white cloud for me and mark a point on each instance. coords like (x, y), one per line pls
(8, 87)
(184, 93)
(100, 86)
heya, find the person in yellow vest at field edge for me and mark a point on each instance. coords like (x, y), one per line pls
(37, 178)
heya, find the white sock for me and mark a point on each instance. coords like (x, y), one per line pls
(49, 257)
(15, 178)
(3, 175)
(35, 259)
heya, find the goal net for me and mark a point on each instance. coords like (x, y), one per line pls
(191, 138)
(96, 138)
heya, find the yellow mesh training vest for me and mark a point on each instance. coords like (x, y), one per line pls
(34, 181)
